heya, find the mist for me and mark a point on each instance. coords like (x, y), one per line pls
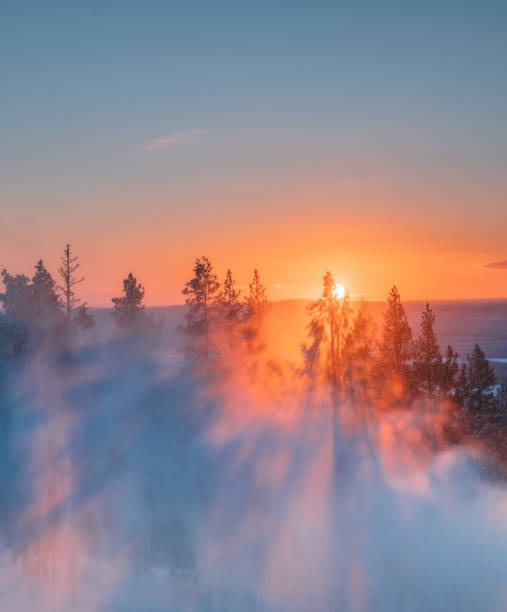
(133, 482)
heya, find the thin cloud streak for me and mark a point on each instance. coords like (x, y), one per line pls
(497, 265)
(177, 137)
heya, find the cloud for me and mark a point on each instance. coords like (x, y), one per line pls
(497, 265)
(185, 136)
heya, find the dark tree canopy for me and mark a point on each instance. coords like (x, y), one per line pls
(201, 296)
(129, 311)
(480, 378)
(427, 360)
(230, 305)
(396, 342)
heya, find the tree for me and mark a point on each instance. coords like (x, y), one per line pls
(129, 311)
(230, 305)
(46, 302)
(76, 312)
(330, 319)
(17, 317)
(427, 360)
(396, 344)
(358, 354)
(201, 296)
(449, 372)
(481, 377)
(462, 392)
(33, 310)
(256, 304)
(257, 300)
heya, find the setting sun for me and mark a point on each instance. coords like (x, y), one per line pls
(338, 291)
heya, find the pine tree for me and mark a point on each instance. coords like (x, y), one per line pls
(481, 377)
(395, 345)
(129, 311)
(427, 360)
(47, 306)
(201, 296)
(358, 354)
(462, 391)
(449, 372)
(76, 312)
(328, 331)
(230, 305)
(17, 321)
(257, 298)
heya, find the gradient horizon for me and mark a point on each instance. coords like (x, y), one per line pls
(370, 141)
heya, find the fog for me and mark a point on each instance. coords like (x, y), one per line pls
(137, 481)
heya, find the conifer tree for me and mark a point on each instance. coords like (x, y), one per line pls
(17, 321)
(201, 296)
(427, 360)
(462, 392)
(481, 377)
(76, 312)
(449, 372)
(328, 331)
(230, 305)
(256, 304)
(257, 298)
(396, 342)
(358, 354)
(129, 311)
(47, 308)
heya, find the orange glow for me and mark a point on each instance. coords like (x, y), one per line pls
(339, 291)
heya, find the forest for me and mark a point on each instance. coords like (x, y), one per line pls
(189, 473)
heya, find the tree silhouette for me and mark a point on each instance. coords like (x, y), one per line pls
(76, 312)
(128, 310)
(358, 355)
(395, 345)
(328, 328)
(257, 299)
(480, 378)
(256, 304)
(201, 296)
(230, 305)
(427, 360)
(449, 372)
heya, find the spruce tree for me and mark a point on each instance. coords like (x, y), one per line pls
(129, 311)
(201, 296)
(358, 354)
(396, 344)
(449, 372)
(230, 305)
(18, 319)
(257, 298)
(256, 304)
(328, 329)
(47, 308)
(481, 377)
(461, 393)
(427, 360)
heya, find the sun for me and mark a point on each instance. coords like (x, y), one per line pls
(338, 291)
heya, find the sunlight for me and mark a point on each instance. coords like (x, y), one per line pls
(338, 291)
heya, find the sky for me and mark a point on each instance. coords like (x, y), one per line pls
(367, 138)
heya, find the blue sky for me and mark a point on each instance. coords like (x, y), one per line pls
(244, 100)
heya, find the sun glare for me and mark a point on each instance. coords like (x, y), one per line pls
(338, 291)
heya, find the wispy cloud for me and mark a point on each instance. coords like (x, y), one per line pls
(185, 136)
(497, 265)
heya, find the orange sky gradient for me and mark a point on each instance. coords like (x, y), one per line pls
(363, 233)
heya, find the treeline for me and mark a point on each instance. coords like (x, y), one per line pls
(390, 367)
(393, 366)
